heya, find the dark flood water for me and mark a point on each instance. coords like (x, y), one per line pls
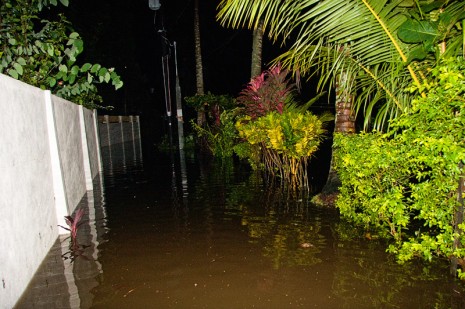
(161, 234)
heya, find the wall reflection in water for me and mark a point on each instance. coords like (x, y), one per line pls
(66, 276)
(120, 142)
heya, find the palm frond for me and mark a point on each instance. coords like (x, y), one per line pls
(357, 37)
(279, 16)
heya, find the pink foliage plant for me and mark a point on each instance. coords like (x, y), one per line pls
(74, 224)
(266, 92)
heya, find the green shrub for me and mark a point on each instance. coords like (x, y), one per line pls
(405, 183)
(221, 137)
(281, 143)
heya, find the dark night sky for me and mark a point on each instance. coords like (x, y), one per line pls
(122, 34)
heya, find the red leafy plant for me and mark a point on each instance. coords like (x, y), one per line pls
(75, 250)
(269, 91)
(74, 224)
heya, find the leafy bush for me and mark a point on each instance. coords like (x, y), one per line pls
(281, 144)
(220, 138)
(212, 104)
(408, 183)
(216, 129)
(267, 127)
(44, 53)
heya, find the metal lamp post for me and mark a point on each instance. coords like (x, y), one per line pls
(155, 6)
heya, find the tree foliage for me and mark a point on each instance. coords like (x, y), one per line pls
(281, 144)
(44, 53)
(382, 46)
(406, 183)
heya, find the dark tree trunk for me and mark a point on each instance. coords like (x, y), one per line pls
(344, 123)
(198, 63)
(257, 47)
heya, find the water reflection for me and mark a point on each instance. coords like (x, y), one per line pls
(228, 241)
(68, 275)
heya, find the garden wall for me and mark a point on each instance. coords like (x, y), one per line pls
(49, 156)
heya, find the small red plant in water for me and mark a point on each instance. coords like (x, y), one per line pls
(74, 223)
(75, 250)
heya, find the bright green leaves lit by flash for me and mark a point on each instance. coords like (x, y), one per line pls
(284, 143)
(294, 133)
(405, 183)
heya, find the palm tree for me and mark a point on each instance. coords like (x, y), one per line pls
(369, 50)
(358, 38)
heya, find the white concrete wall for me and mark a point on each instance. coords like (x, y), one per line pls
(68, 131)
(93, 143)
(43, 176)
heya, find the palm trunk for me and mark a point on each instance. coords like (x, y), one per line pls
(257, 47)
(344, 120)
(344, 123)
(198, 63)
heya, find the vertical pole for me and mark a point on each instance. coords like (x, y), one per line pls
(182, 157)
(167, 85)
(178, 103)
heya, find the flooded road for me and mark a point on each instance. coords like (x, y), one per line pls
(201, 234)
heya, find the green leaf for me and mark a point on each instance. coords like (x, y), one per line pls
(413, 31)
(75, 90)
(13, 73)
(65, 2)
(79, 44)
(107, 77)
(51, 82)
(50, 50)
(21, 61)
(72, 78)
(63, 68)
(428, 7)
(102, 72)
(12, 41)
(59, 75)
(417, 53)
(95, 68)
(85, 67)
(118, 85)
(74, 35)
(18, 68)
(75, 70)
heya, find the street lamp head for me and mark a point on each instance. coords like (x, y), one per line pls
(154, 5)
